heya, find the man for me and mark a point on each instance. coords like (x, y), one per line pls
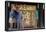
(12, 18)
(17, 15)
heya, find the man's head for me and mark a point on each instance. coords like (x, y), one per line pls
(15, 7)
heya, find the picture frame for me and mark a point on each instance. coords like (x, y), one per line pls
(27, 8)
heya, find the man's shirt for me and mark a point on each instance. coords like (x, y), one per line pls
(17, 15)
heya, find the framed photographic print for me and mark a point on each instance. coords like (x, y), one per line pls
(24, 15)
